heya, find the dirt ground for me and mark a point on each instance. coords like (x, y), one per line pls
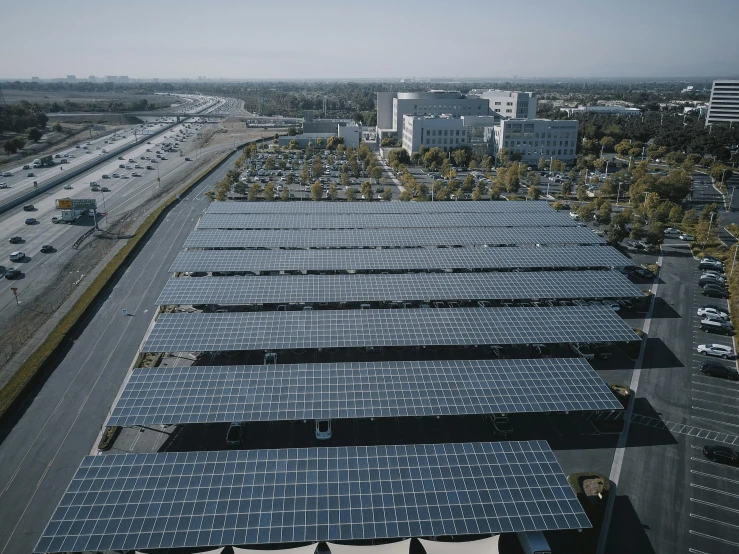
(236, 129)
(42, 97)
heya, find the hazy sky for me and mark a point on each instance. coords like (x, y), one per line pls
(348, 39)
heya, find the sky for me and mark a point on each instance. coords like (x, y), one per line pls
(294, 39)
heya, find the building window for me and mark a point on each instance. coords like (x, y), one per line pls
(457, 132)
(497, 103)
(445, 141)
(434, 132)
(428, 133)
(509, 103)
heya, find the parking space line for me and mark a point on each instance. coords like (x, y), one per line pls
(682, 429)
(728, 384)
(711, 475)
(705, 461)
(694, 551)
(698, 391)
(712, 411)
(697, 534)
(718, 491)
(704, 518)
(714, 505)
(717, 421)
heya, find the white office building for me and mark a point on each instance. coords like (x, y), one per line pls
(724, 104)
(510, 104)
(536, 138)
(393, 106)
(447, 132)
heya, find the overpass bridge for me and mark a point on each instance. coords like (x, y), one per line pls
(178, 115)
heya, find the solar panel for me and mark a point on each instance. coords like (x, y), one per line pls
(405, 287)
(374, 207)
(200, 332)
(179, 395)
(249, 497)
(405, 259)
(358, 238)
(371, 221)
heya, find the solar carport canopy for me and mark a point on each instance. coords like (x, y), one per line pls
(200, 332)
(359, 238)
(400, 287)
(393, 260)
(369, 221)
(211, 394)
(249, 497)
(374, 207)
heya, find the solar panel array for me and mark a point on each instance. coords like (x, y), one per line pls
(200, 332)
(358, 238)
(404, 287)
(201, 499)
(178, 395)
(392, 260)
(371, 221)
(374, 207)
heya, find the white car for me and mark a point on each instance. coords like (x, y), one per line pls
(719, 350)
(672, 231)
(67, 187)
(685, 236)
(707, 311)
(574, 215)
(17, 256)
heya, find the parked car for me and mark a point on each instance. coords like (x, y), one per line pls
(715, 369)
(67, 187)
(721, 454)
(706, 279)
(716, 326)
(719, 350)
(672, 231)
(235, 434)
(713, 312)
(714, 291)
(644, 273)
(686, 236)
(501, 426)
(323, 429)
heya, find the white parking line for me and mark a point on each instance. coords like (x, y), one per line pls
(713, 411)
(703, 535)
(713, 394)
(714, 505)
(706, 461)
(712, 476)
(716, 421)
(704, 518)
(729, 384)
(694, 551)
(717, 491)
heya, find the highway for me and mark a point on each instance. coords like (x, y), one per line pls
(58, 426)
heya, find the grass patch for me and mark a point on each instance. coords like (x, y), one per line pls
(108, 438)
(14, 387)
(576, 479)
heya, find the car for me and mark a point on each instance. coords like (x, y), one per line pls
(121, 158)
(17, 256)
(501, 426)
(718, 350)
(7, 174)
(31, 221)
(715, 369)
(138, 166)
(714, 291)
(15, 240)
(67, 187)
(705, 279)
(3, 185)
(135, 174)
(686, 236)
(31, 174)
(235, 434)
(56, 219)
(124, 176)
(719, 274)
(106, 176)
(644, 273)
(713, 312)
(47, 249)
(716, 326)
(26, 166)
(188, 160)
(95, 188)
(115, 175)
(105, 189)
(672, 231)
(721, 454)
(131, 161)
(323, 429)
(710, 264)
(12, 273)
(149, 167)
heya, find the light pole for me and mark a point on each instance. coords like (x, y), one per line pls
(736, 247)
(105, 211)
(708, 233)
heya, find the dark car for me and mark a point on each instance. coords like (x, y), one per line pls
(15, 240)
(714, 291)
(235, 434)
(721, 454)
(715, 369)
(29, 208)
(31, 221)
(47, 249)
(12, 273)
(644, 273)
(501, 426)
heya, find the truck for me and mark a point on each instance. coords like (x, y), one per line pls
(46, 161)
(533, 542)
(70, 216)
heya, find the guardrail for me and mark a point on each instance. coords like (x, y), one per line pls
(75, 172)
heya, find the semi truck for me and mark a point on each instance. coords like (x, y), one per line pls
(70, 216)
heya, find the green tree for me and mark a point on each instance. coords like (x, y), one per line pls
(582, 193)
(366, 190)
(293, 145)
(269, 163)
(622, 147)
(331, 194)
(34, 134)
(13, 145)
(542, 164)
(655, 233)
(387, 194)
(57, 127)
(254, 191)
(585, 212)
(239, 187)
(351, 194)
(316, 191)
(558, 165)
(675, 186)
(469, 183)
(476, 194)
(616, 233)
(566, 187)
(534, 193)
(637, 231)
(376, 172)
(604, 213)
(285, 194)
(674, 159)
(495, 192)
(269, 191)
(720, 172)
(487, 163)
(405, 196)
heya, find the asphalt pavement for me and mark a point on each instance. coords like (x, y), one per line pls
(57, 426)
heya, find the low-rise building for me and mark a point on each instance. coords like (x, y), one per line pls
(448, 132)
(510, 104)
(536, 138)
(603, 110)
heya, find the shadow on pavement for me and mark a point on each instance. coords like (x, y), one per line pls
(648, 435)
(627, 533)
(663, 310)
(658, 354)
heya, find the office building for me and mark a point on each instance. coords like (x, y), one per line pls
(536, 138)
(392, 106)
(351, 133)
(724, 104)
(447, 132)
(71, 78)
(510, 104)
(603, 110)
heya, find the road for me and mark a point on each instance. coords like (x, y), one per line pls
(670, 498)
(58, 426)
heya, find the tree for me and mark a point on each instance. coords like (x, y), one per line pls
(285, 195)
(293, 144)
(376, 172)
(674, 186)
(495, 192)
(674, 159)
(476, 194)
(460, 157)
(57, 127)
(316, 191)
(487, 163)
(405, 196)
(582, 193)
(254, 191)
(542, 164)
(622, 147)
(269, 163)
(637, 231)
(13, 145)
(34, 134)
(398, 155)
(558, 165)
(269, 192)
(720, 172)
(333, 142)
(366, 190)
(604, 213)
(655, 233)
(534, 192)
(616, 233)
(387, 194)
(585, 212)
(351, 194)
(469, 183)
